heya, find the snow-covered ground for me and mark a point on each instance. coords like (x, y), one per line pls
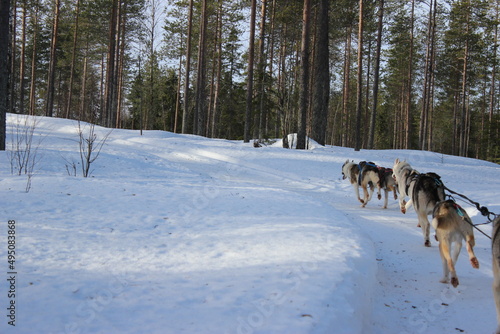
(183, 234)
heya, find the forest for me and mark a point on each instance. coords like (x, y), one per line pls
(367, 74)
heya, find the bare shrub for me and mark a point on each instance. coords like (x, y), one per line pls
(24, 152)
(90, 146)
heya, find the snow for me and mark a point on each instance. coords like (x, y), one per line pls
(183, 234)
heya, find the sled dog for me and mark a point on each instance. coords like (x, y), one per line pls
(424, 191)
(402, 172)
(495, 250)
(364, 174)
(453, 225)
(387, 183)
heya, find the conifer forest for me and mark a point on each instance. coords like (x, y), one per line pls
(366, 74)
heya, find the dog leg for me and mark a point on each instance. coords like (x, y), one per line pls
(456, 251)
(446, 271)
(366, 196)
(370, 193)
(469, 244)
(356, 190)
(386, 198)
(402, 205)
(408, 204)
(423, 221)
(444, 247)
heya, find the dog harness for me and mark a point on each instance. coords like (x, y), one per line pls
(382, 171)
(361, 166)
(414, 176)
(459, 209)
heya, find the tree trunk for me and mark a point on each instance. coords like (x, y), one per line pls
(492, 97)
(428, 125)
(251, 51)
(4, 68)
(201, 80)
(346, 89)
(178, 95)
(120, 65)
(22, 59)
(110, 83)
(359, 104)
(425, 90)
(463, 115)
(218, 74)
(376, 75)
(12, 83)
(73, 59)
(261, 70)
(152, 60)
(49, 105)
(185, 115)
(281, 123)
(81, 108)
(304, 76)
(409, 116)
(34, 56)
(321, 92)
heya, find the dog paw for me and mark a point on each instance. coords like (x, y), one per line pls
(403, 210)
(474, 262)
(444, 280)
(454, 281)
(379, 196)
(427, 243)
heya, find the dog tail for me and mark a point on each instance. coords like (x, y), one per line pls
(444, 214)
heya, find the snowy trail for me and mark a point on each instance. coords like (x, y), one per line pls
(408, 297)
(409, 294)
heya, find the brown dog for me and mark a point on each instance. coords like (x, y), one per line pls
(453, 225)
(364, 175)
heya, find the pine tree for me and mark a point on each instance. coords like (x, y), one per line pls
(4, 68)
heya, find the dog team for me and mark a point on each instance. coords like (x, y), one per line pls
(426, 193)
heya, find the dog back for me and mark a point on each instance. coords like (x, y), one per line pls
(449, 215)
(386, 179)
(427, 191)
(368, 168)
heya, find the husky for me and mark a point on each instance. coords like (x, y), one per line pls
(453, 225)
(401, 172)
(495, 250)
(424, 191)
(387, 183)
(364, 174)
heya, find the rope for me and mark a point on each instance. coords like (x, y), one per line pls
(484, 211)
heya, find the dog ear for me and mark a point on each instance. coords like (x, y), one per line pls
(396, 161)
